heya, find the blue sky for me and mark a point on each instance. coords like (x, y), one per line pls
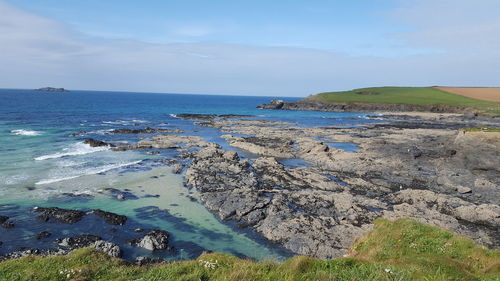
(248, 47)
(353, 27)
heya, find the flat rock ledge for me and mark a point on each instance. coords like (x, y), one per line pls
(438, 176)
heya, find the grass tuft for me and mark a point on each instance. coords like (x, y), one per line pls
(400, 250)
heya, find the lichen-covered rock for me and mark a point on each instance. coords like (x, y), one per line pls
(154, 240)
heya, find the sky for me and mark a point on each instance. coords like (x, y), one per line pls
(271, 48)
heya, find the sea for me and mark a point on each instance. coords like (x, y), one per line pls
(44, 163)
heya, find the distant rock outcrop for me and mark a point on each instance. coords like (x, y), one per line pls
(51, 89)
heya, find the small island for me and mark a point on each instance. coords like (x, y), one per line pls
(51, 89)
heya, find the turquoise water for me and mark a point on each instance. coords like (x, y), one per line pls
(40, 162)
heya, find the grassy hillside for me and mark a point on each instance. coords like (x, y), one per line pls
(401, 250)
(405, 95)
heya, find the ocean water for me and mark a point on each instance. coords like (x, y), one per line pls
(41, 163)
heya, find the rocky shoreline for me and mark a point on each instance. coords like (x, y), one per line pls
(52, 216)
(310, 104)
(422, 166)
(436, 174)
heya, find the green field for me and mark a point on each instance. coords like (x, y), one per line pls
(406, 95)
(401, 250)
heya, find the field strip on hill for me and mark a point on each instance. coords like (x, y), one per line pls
(480, 93)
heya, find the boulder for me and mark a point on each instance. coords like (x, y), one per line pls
(82, 241)
(42, 235)
(154, 240)
(110, 218)
(96, 143)
(60, 215)
(464, 190)
(8, 224)
(109, 248)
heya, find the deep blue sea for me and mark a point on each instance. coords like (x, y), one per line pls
(41, 163)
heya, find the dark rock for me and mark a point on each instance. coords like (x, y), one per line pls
(8, 224)
(42, 235)
(110, 218)
(275, 104)
(66, 196)
(154, 240)
(78, 134)
(415, 152)
(121, 194)
(82, 241)
(310, 104)
(60, 215)
(51, 89)
(20, 254)
(3, 219)
(189, 116)
(147, 130)
(96, 143)
(76, 242)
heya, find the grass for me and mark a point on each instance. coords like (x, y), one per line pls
(401, 250)
(406, 95)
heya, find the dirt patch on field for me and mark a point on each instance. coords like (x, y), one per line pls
(489, 94)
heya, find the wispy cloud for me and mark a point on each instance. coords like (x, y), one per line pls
(193, 30)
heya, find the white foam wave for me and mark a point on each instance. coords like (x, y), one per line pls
(125, 122)
(140, 121)
(92, 171)
(74, 150)
(22, 132)
(47, 181)
(173, 115)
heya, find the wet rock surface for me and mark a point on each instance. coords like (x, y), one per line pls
(83, 241)
(60, 215)
(110, 218)
(96, 143)
(146, 130)
(43, 235)
(3, 219)
(432, 172)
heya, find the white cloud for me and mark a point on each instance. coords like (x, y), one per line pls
(465, 26)
(35, 52)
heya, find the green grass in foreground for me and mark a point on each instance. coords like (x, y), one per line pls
(406, 95)
(401, 250)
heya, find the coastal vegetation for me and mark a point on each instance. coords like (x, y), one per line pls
(420, 96)
(399, 250)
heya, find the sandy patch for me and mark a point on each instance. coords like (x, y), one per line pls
(489, 94)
